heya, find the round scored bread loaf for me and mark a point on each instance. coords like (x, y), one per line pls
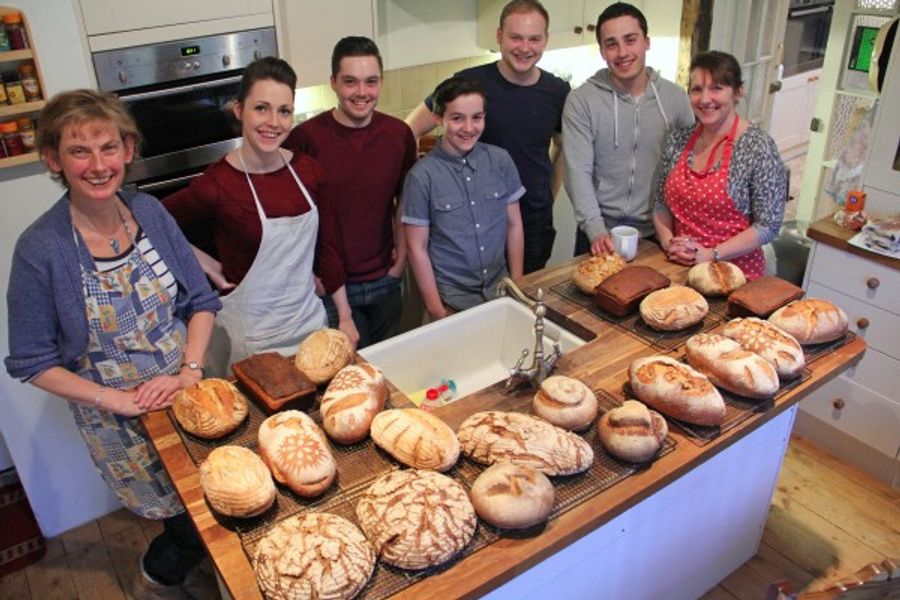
(675, 389)
(811, 321)
(512, 496)
(632, 431)
(353, 397)
(730, 367)
(716, 278)
(777, 346)
(236, 482)
(323, 353)
(591, 272)
(416, 519)
(566, 403)
(416, 438)
(313, 555)
(493, 436)
(210, 409)
(297, 453)
(673, 308)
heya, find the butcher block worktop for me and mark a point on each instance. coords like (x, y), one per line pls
(602, 364)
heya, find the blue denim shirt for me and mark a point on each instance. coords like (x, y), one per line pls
(463, 200)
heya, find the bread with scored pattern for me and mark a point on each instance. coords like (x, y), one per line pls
(676, 390)
(210, 409)
(777, 346)
(236, 482)
(297, 452)
(512, 496)
(812, 320)
(353, 397)
(416, 438)
(632, 432)
(323, 353)
(730, 367)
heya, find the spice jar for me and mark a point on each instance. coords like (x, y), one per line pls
(12, 141)
(14, 90)
(27, 133)
(4, 41)
(29, 82)
(3, 98)
(15, 29)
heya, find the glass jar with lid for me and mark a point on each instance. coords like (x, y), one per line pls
(30, 84)
(12, 141)
(15, 29)
(14, 90)
(27, 133)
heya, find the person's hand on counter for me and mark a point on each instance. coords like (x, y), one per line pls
(602, 244)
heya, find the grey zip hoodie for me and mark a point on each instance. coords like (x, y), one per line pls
(612, 144)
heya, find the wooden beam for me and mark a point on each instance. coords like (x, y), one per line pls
(696, 23)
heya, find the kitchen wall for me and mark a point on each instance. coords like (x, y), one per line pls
(62, 485)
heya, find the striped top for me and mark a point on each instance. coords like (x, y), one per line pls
(150, 255)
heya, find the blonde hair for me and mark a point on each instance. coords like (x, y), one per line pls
(77, 107)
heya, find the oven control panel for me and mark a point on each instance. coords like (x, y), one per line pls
(170, 62)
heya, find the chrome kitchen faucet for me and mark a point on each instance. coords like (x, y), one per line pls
(541, 366)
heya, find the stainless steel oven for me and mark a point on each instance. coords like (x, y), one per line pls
(180, 94)
(806, 35)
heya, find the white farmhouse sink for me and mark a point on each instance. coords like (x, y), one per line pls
(475, 348)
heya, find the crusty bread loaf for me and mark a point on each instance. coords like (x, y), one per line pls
(416, 438)
(731, 367)
(590, 272)
(492, 436)
(297, 453)
(676, 390)
(211, 408)
(275, 382)
(762, 297)
(632, 432)
(811, 321)
(775, 345)
(621, 294)
(512, 496)
(323, 353)
(416, 519)
(313, 555)
(353, 398)
(716, 278)
(236, 482)
(673, 308)
(566, 403)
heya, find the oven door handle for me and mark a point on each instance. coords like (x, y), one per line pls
(808, 11)
(179, 89)
(158, 185)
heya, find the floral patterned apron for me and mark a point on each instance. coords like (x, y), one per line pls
(133, 336)
(702, 208)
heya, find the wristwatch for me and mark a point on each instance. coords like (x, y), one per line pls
(194, 366)
(715, 253)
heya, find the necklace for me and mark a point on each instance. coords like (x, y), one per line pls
(112, 238)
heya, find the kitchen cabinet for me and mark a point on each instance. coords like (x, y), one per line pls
(883, 161)
(792, 110)
(572, 22)
(10, 61)
(111, 16)
(307, 32)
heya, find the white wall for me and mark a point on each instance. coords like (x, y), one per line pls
(62, 485)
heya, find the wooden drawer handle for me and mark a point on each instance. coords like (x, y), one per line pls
(872, 283)
(862, 322)
(838, 403)
(578, 29)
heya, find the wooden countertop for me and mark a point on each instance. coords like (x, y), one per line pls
(601, 364)
(830, 233)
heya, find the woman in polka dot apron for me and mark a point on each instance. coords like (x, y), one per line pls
(722, 193)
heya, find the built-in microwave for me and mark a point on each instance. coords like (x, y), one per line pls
(806, 35)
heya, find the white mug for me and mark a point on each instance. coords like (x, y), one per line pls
(625, 240)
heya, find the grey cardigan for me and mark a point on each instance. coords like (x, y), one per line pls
(47, 322)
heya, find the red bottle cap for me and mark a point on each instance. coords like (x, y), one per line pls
(432, 394)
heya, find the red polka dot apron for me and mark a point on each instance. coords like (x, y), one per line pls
(702, 208)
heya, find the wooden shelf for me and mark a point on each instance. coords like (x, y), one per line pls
(22, 159)
(21, 109)
(14, 55)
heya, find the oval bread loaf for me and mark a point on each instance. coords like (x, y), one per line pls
(416, 519)
(297, 453)
(676, 390)
(313, 555)
(591, 272)
(353, 397)
(211, 408)
(323, 353)
(566, 403)
(512, 496)
(673, 308)
(416, 438)
(778, 347)
(811, 321)
(731, 367)
(236, 482)
(716, 278)
(632, 432)
(492, 436)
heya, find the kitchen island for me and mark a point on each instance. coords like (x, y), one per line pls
(672, 530)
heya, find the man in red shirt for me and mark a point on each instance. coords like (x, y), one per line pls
(366, 155)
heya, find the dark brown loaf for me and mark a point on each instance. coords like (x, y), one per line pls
(762, 297)
(812, 321)
(673, 308)
(211, 408)
(716, 278)
(731, 367)
(353, 398)
(275, 382)
(777, 346)
(632, 432)
(512, 496)
(621, 294)
(676, 390)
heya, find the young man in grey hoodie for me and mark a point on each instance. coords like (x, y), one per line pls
(613, 127)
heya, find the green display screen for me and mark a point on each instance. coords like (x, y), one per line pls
(862, 49)
(190, 50)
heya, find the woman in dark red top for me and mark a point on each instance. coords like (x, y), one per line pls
(268, 211)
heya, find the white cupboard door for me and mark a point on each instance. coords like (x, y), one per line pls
(568, 27)
(111, 16)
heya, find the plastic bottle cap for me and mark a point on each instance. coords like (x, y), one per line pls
(12, 18)
(9, 127)
(431, 394)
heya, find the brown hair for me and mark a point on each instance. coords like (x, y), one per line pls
(722, 67)
(354, 45)
(77, 107)
(525, 6)
(267, 67)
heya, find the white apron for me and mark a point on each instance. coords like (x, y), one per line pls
(275, 306)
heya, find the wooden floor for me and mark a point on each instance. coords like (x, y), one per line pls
(826, 521)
